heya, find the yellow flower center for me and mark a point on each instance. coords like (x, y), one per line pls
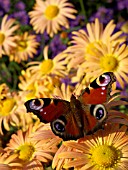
(6, 106)
(108, 63)
(2, 38)
(22, 45)
(51, 12)
(46, 66)
(26, 152)
(105, 156)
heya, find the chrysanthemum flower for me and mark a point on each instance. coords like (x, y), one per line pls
(55, 66)
(32, 87)
(63, 92)
(106, 149)
(7, 108)
(8, 162)
(22, 120)
(3, 90)
(124, 27)
(83, 43)
(113, 109)
(58, 163)
(50, 15)
(28, 85)
(30, 151)
(7, 38)
(13, 111)
(25, 47)
(108, 59)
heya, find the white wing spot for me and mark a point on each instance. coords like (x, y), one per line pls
(41, 110)
(103, 88)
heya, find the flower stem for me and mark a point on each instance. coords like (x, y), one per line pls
(83, 10)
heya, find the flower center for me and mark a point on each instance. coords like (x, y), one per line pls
(46, 66)
(2, 38)
(6, 106)
(26, 151)
(51, 12)
(105, 156)
(22, 45)
(108, 63)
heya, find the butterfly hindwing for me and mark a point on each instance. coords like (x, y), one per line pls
(66, 127)
(92, 100)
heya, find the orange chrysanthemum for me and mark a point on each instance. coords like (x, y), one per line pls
(25, 47)
(106, 149)
(50, 15)
(7, 37)
(83, 42)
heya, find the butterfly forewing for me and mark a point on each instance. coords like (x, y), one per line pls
(99, 90)
(47, 109)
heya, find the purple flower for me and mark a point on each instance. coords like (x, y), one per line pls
(56, 45)
(103, 14)
(78, 21)
(4, 7)
(122, 4)
(21, 16)
(20, 6)
(67, 81)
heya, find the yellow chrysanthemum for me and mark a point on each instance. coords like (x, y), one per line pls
(105, 150)
(7, 38)
(50, 15)
(32, 87)
(83, 43)
(13, 112)
(25, 47)
(3, 91)
(30, 151)
(124, 27)
(22, 120)
(7, 108)
(109, 59)
(63, 92)
(54, 67)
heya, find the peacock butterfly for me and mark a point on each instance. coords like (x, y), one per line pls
(81, 116)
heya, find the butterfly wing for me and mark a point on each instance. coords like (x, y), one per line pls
(92, 100)
(72, 120)
(99, 90)
(47, 109)
(60, 115)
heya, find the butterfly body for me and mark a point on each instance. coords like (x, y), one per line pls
(81, 116)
